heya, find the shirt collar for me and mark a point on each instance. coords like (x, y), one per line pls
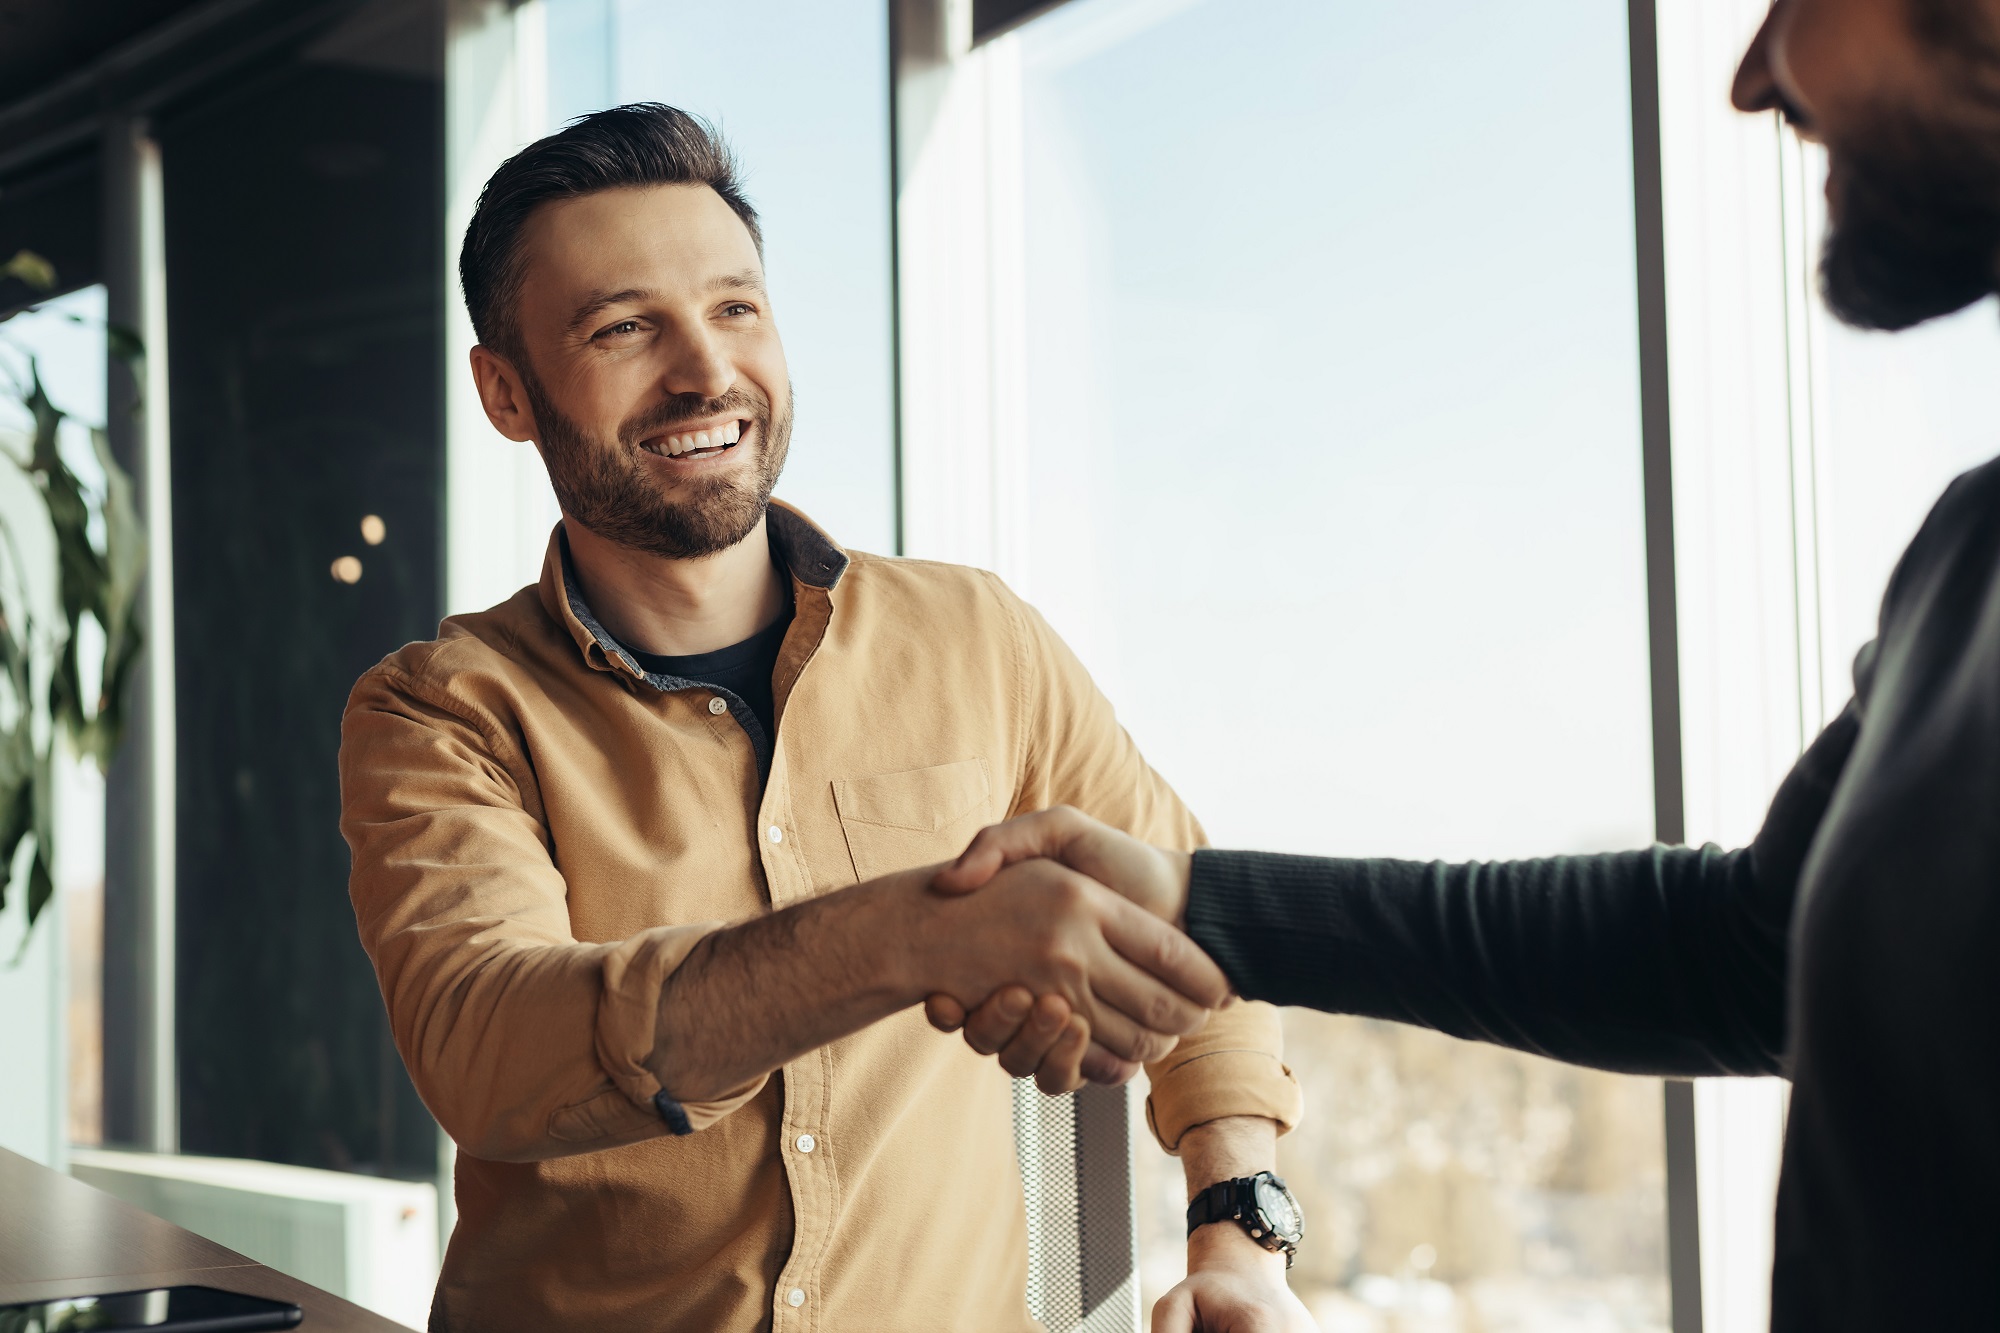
(813, 559)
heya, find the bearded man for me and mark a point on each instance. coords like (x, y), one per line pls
(708, 713)
(1854, 946)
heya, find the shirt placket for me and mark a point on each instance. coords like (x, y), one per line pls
(805, 1139)
(806, 1144)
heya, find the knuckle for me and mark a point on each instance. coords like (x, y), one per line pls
(1072, 894)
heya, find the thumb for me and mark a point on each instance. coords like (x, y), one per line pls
(1175, 1312)
(997, 846)
(978, 863)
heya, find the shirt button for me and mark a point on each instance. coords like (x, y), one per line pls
(797, 1298)
(807, 1143)
(776, 834)
(718, 705)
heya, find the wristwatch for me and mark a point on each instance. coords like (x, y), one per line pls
(1260, 1204)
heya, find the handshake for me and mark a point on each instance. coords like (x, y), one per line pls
(1058, 948)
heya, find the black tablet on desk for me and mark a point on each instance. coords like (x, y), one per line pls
(167, 1309)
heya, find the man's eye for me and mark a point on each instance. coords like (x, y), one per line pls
(738, 308)
(622, 326)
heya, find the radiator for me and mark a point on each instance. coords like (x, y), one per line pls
(370, 1240)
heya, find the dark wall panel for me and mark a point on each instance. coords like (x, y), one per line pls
(304, 225)
(56, 214)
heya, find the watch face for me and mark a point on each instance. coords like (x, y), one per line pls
(1280, 1209)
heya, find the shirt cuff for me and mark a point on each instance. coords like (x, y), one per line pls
(1234, 1066)
(628, 1017)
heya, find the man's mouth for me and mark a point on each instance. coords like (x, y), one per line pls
(708, 442)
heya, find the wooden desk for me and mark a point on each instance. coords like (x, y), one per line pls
(59, 1237)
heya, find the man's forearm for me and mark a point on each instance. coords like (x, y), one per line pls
(1220, 1150)
(1226, 1149)
(751, 997)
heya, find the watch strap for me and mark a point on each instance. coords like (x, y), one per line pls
(1236, 1201)
(1217, 1203)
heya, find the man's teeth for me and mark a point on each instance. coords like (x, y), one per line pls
(675, 445)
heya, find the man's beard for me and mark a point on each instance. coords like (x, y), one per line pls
(609, 489)
(1916, 231)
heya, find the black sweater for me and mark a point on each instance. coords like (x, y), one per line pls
(1853, 947)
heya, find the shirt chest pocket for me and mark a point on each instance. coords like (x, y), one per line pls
(894, 821)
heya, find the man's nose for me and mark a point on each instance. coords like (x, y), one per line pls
(1756, 88)
(698, 364)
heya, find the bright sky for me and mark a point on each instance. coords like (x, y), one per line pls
(1336, 388)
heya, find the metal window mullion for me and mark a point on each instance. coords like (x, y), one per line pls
(1662, 608)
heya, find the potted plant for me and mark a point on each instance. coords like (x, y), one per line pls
(100, 549)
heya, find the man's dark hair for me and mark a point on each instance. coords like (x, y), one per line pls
(639, 144)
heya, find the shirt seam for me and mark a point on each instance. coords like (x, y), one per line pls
(1027, 678)
(505, 751)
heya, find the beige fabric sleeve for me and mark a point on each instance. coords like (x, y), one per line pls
(523, 1042)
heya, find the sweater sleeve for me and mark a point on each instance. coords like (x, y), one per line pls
(1670, 961)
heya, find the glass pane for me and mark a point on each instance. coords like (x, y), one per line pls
(1906, 413)
(801, 90)
(1334, 482)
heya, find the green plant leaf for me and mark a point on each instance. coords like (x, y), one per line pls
(124, 344)
(17, 804)
(99, 582)
(31, 269)
(117, 611)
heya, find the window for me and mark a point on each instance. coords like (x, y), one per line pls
(1905, 414)
(1307, 349)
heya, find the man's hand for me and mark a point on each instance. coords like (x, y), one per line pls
(1037, 1035)
(1136, 982)
(771, 989)
(1152, 877)
(1234, 1285)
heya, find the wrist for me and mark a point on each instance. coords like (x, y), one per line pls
(1227, 1245)
(902, 920)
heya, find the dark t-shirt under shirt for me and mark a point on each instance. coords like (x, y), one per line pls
(742, 669)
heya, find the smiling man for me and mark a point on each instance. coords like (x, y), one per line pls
(633, 850)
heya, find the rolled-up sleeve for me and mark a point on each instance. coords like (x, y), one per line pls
(524, 1043)
(1077, 754)
(1234, 1066)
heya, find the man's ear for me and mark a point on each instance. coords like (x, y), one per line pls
(502, 395)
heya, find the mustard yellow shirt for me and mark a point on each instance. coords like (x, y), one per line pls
(541, 832)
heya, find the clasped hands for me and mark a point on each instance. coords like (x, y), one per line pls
(1095, 1015)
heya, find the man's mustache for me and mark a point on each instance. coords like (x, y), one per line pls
(671, 412)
